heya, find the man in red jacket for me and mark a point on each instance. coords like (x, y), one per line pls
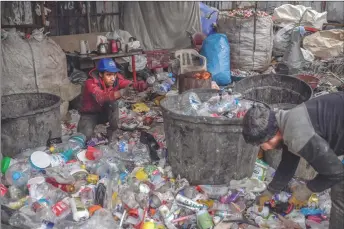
(99, 99)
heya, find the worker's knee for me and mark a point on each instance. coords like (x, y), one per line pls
(86, 126)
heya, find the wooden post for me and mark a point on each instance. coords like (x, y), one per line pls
(43, 13)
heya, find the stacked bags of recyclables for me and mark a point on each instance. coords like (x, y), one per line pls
(251, 40)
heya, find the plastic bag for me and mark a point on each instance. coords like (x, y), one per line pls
(325, 44)
(308, 55)
(140, 62)
(216, 49)
(291, 14)
(208, 18)
(251, 40)
(282, 40)
(293, 56)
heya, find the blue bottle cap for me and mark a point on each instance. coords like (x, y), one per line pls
(16, 175)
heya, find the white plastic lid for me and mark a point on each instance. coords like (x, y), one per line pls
(40, 159)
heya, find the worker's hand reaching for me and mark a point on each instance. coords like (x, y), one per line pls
(140, 86)
(300, 195)
(266, 196)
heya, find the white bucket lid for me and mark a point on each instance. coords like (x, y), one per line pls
(40, 159)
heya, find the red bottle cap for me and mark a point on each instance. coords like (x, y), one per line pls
(91, 153)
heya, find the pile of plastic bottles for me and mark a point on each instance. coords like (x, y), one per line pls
(221, 105)
(161, 83)
(129, 184)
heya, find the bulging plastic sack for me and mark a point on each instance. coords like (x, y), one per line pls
(293, 57)
(282, 40)
(216, 49)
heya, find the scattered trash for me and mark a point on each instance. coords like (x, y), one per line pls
(128, 183)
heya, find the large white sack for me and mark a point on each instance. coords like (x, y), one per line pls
(251, 49)
(30, 65)
(292, 14)
(325, 44)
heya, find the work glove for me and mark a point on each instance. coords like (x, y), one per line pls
(300, 195)
(266, 196)
(140, 86)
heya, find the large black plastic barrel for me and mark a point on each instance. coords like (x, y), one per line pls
(280, 92)
(27, 119)
(206, 150)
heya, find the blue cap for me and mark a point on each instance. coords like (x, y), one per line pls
(108, 65)
(16, 175)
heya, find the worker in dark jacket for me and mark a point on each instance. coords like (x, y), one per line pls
(99, 99)
(314, 130)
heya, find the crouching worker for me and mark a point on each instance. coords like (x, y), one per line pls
(314, 131)
(99, 99)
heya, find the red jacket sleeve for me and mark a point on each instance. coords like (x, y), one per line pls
(123, 83)
(100, 95)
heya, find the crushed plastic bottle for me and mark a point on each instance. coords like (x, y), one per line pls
(18, 174)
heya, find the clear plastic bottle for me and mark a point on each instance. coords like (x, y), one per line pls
(150, 80)
(282, 197)
(18, 174)
(190, 103)
(60, 159)
(20, 220)
(61, 209)
(223, 207)
(162, 76)
(75, 143)
(214, 191)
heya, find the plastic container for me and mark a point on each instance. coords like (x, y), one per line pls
(18, 174)
(74, 144)
(40, 111)
(278, 91)
(281, 92)
(206, 150)
(40, 160)
(259, 171)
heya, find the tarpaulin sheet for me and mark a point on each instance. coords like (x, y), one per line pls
(161, 25)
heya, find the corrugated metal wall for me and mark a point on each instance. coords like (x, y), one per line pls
(335, 9)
